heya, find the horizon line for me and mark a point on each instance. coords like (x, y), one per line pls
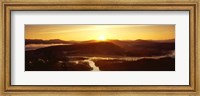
(99, 40)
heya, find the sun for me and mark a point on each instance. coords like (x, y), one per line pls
(102, 38)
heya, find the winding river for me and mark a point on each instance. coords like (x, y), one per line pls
(92, 64)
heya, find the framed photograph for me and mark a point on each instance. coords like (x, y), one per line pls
(100, 47)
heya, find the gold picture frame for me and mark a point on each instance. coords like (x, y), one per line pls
(156, 5)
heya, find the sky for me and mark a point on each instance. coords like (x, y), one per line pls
(100, 32)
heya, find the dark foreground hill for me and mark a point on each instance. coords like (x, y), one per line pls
(162, 64)
(112, 48)
(87, 49)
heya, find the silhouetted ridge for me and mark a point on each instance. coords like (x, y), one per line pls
(91, 49)
(52, 41)
(113, 47)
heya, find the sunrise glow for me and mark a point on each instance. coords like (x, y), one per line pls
(99, 32)
(102, 38)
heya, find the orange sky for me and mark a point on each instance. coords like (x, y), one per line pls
(96, 32)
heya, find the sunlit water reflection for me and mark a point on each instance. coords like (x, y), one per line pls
(91, 62)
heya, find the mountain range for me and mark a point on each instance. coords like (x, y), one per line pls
(58, 41)
(133, 48)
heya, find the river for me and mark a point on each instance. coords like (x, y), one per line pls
(92, 64)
